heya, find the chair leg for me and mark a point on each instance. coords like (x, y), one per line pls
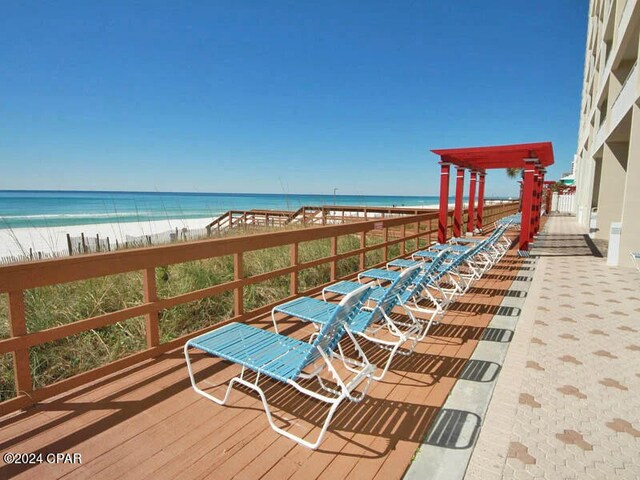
(254, 386)
(392, 353)
(425, 325)
(219, 401)
(386, 345)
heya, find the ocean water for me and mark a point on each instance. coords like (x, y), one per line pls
(21, 209)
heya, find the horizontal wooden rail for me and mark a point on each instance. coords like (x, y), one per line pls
(308, 215)
(15, 279)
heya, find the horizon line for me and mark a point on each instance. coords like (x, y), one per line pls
(203, 193)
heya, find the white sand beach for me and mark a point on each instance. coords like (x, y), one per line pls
(18, 241)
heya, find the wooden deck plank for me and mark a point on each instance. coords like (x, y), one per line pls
(229, 438)
(79, 434)
(46, 415)
(390, 467)
(410, 427)
(356, 417)
(224, 429)
(381, 441)
(178, 421)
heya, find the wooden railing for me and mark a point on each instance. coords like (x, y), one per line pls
(15, 279)
(332, 214)
(306, 215)
(258, 218)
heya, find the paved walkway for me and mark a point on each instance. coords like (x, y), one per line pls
(566, 405)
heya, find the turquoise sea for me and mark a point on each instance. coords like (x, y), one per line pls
(22, 208)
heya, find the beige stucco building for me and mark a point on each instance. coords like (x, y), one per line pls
(607, 163)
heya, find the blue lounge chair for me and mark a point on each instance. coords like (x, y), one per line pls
(512, 221)
(409, 300)
(458, 276)
(466, 263)
(287, 359)
(369, 323)
(459, 270)
(493, 249)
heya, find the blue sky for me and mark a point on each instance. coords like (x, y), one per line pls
(301, 97)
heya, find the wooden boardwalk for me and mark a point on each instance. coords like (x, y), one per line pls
(146, 421)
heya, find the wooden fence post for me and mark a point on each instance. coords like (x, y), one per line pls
(363, 242)
(334, 263)
(430, 230)
(293, 279)
(18, 327)
(403, 244)
(69, 246)
(238, 294)
(150, 295)
(385, 249)
(417, 244)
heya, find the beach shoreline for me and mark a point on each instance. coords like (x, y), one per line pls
(18, 242)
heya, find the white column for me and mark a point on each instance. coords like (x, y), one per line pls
(630, 236)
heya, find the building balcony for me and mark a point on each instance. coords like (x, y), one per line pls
(601, 136)
(626, 97)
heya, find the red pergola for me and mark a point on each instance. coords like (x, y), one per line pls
(532, 157)
(548, 193)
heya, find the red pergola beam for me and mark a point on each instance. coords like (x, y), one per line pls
(500, 156)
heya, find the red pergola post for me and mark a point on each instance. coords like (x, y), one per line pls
(542, 180)
(472, 195)
(444, 202)
(527, 202)
(534, 205)
(549, 197)
(542, 172)
(457, 213)
(539, 178)
(521, 182)
(480, 201)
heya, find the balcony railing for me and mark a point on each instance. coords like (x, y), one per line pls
(626, 96)
(600, 137)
